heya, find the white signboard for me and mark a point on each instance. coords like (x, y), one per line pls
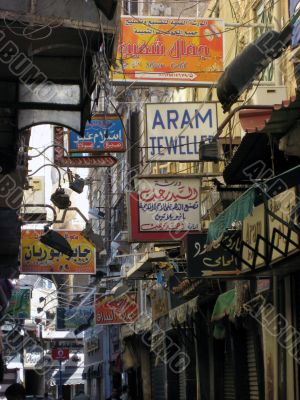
(33, 357)
(168, 205)
(175, 130)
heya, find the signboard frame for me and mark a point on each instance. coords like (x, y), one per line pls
(187, 120)
(107, 304)
(114, 147)
(61, 264)
(167, 57)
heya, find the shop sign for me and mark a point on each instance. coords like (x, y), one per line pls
(104, 133)
(116, 311)
(159, 303)
(72, 318)
(92, 343)
(212, 260)
(33, 357)
(84, 160)
(39, 258)
(20, 303)
(253, 228)
(175, 130)
(164, 209)
(60, 354)
(169, 51)
(254, 231)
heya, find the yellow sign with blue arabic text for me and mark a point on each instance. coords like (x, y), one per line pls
(37, 257)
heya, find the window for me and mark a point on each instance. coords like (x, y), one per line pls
(264, 15)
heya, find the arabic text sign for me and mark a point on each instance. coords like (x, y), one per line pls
(175, 130)
(33, 357)
(169, 205)
(163, 49)
(202, 262)
(20, 303)
(102, 134)
(72, 318)
(115, 311)
(39, 258)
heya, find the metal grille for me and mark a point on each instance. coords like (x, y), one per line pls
(229, 384)
(252, 370)
(157, 380)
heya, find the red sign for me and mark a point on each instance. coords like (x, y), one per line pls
(60, 354)
(116, 311)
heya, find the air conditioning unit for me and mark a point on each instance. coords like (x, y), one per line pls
(267, 95)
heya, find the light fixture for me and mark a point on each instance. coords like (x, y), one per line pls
(40, 309)
(56, 241)
(61, 199)
(41, 299)
(96, 213)
(77, 184)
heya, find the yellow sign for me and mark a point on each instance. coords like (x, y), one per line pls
(172, 50)
(39, 258)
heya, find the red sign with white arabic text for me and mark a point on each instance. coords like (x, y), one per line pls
(60, 354)
(116, 311)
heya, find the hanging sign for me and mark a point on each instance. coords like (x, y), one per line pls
(60, 354)
(115, 311)
(183, 51)
(68, 318)
(104, 133)
(36, 257)
(216, 260)
(175, 130)
(20, 303)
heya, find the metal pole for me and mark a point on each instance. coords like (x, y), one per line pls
(60, 394)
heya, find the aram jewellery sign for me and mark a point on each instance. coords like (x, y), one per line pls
(170, 50)
(39, 258)
(104, 133)
(115, 311)
(175, 130)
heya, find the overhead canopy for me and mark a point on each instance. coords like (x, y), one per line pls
(264, 128)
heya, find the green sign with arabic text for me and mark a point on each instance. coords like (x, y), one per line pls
(20, 303)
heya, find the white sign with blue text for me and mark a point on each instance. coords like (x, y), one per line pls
(175, 130)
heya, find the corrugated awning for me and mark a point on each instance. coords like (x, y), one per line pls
(70, 376)
(264, 128)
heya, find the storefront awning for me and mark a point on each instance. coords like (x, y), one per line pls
(70, 376)
(224, 307)
(264, 128)
(243, 206)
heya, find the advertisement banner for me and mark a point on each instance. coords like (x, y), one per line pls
(175, 130)
(72, 318)
(20, 303)
(39, 258)
(104, 133)
(170, 50)
(216, 261)
(116, 311)
(168, 205)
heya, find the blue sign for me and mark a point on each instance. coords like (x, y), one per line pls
(293, 7)
(102, 134)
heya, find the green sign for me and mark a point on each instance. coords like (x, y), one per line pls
(73, 318)
(19, 304)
